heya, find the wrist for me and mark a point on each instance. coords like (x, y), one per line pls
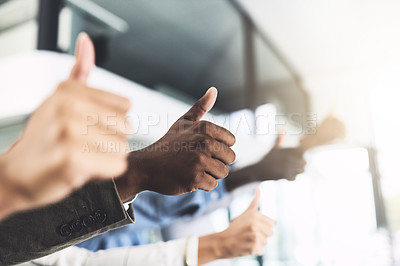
(210, 248)
(241, 177)
(8, 201)
(133, 181)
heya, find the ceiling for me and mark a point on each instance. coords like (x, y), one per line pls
(190, 45)
(187, 45)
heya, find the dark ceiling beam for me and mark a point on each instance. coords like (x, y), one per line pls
(249, 21)
(48, 20)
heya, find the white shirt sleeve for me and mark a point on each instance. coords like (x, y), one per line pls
(182, 252)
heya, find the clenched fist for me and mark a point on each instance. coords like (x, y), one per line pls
(192, 155)
(76, 135)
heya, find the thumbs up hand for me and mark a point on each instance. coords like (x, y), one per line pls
(192, 155)
(76, 135)
(280, 163)
(246, 235)
(329, 130)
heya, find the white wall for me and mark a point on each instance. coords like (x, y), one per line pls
(21, 38)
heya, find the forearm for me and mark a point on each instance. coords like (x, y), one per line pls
(7, 204)
(131, 183)
(240, 178)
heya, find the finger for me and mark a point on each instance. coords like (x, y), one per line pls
(300, 167)
(102, 133)
(279, 139)
(202, 106)
(256, 201)
(104, 159)
(110, 122)
(98, 142)
(108, 99)
(222, 152)
(264, 228)
(216, 168)
(295, 165)
(299, 152)
(96, 132)
(219, 133)
(267, 220)
(91, 114)
(208, 182)
(107, 167)
(261, 229)
(85, 57)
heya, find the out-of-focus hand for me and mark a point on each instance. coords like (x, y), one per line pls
(279, 163)
(76, 135)
(192, 155)
(246, 235)
(329, 130)
(287, 163)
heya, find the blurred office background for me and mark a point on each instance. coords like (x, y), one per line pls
(306, 59)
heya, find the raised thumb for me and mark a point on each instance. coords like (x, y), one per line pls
(202, 106)
(256, 201)
(84, 58)
(279, 139)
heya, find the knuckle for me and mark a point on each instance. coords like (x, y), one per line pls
(197, 177)
(196, 158)
(125, 104)
(204, 127)
(66, 130)
(69, 161)
(201, 159)
(63, 86)
(64, 105)
(209, 184)
(252, 229)
(214, 184)
(205, 142)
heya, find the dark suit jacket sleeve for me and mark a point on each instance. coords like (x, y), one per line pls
(94, 209)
